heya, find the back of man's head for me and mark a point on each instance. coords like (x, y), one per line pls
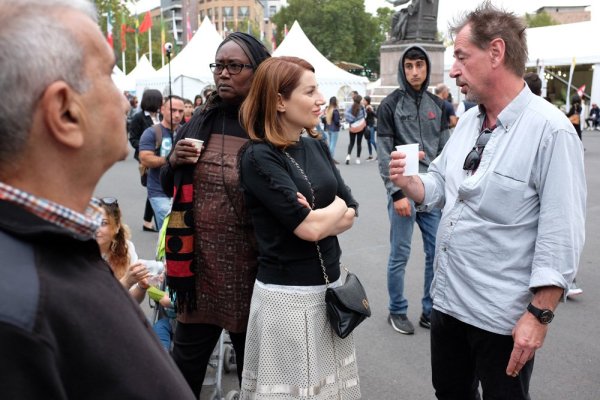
(36, 49)
(441, 90)
(534, 82)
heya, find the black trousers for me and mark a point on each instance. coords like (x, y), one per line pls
(193, 345)
(358, 138)
(462, 356)
(148, 212)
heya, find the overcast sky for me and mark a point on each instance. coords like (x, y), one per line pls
(448, 9)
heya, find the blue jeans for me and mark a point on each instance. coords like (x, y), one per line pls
(371, 142)
(161, 207)
(164, 331)
(325, 137)
(401, 231)
(333, 137)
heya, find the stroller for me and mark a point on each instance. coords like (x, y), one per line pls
(223, 356)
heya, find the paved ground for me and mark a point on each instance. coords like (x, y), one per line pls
(394, 366)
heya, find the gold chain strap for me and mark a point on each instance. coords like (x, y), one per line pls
(312, 206)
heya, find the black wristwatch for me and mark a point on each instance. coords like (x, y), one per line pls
(545, 316)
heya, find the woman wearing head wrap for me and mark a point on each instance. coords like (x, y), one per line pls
(211, 257)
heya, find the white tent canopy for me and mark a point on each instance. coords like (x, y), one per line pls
(190, 73)
(120, 79)
(555, 45)
(333, 81)
(143, 70)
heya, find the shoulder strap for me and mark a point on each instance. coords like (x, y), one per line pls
(157, 136)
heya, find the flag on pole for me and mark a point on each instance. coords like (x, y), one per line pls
(188, 27)
(146, 23)
(109, 29)
(163, 40)
(175, 28)
(124, 31)
(137, 47)
(581, 91)
(285, 31)
(273, 43)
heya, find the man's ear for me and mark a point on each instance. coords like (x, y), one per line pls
(497, 50)
(63, 114)
(280, 103)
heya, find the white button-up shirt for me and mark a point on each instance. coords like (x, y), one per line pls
(516, 223)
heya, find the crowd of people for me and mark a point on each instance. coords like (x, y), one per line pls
(251, 203)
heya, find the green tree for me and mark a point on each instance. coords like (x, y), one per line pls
(340, 29)
(539, 19)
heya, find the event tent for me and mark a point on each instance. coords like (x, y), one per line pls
(120, 79)
(333, 81)
(143, 70)
(555, 45)
(190, 73)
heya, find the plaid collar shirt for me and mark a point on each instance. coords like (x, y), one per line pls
(82, 226)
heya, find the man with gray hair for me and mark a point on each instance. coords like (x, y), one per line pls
(68, 329)
(512, 188)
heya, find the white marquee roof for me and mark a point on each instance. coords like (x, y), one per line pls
(329, 77)
(193, 60)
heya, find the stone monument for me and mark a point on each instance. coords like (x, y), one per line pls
(415, 24)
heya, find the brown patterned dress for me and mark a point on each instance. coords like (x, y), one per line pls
(224, 241)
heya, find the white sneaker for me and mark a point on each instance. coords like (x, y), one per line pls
(348, 159)
(358, 160)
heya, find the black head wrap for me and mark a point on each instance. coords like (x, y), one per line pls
(254, 49)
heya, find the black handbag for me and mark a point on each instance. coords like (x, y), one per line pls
(347, 305)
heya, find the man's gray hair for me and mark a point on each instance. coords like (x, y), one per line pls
(440, 88)
(36, 49)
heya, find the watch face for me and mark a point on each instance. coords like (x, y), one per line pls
(546, 316)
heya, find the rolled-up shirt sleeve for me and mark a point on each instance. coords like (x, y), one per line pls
(562, 189)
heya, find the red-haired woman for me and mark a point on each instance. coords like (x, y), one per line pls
(296, 197)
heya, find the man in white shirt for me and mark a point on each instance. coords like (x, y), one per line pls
(513, 220)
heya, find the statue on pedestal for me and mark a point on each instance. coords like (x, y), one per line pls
(417, 21)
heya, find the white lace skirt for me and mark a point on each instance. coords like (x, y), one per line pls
(292, 352)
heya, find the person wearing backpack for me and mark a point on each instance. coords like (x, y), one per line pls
(154, 152)
(148, 115)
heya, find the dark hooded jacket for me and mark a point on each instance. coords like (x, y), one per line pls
(407, 116)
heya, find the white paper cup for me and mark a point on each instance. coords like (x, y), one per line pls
(153, 267)
(412, 158)
(197, 144)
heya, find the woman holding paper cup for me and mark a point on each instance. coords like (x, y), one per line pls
(210, 251)
(119, 252)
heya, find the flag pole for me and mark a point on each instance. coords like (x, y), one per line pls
(150, 43)
(568, 102)
(123, 41)
(162, 39)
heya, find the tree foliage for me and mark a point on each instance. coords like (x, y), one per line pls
(539, 19)
(340, 29)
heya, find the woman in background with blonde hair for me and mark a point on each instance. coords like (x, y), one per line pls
(119, 252)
